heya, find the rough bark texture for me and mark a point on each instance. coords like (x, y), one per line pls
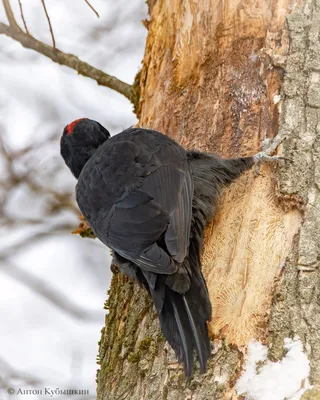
(222, 77)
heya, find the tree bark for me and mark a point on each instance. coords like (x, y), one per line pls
(222, 77)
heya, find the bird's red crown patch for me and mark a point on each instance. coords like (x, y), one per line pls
(70, 127)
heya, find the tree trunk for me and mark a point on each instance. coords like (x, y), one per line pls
(222, 76)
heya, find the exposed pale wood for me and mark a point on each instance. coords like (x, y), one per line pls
(246, 248)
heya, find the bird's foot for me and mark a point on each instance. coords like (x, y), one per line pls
(179, 281)
(263, 157)
(269, 146)
(266, 144)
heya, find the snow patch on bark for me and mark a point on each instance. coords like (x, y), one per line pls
(285, 379)
(276, 99)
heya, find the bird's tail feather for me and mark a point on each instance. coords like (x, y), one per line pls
(183, 317)
(184, 325)
(181, 341)
(200, 336)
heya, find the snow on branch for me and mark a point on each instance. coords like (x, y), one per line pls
(15, 32)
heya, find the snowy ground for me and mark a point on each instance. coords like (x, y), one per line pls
(38, 97)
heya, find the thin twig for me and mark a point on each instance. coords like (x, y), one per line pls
(49, 22)
(71, 61)
(9, 13)
(93, 9)
(22, 17)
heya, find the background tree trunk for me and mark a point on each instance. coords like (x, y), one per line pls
(222, 76)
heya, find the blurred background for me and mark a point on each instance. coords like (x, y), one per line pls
(54, 284)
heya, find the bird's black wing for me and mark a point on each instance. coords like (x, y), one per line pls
(160, 208)
(139, 189)
(172, 186)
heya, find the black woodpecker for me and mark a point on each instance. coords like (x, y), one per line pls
(149, 200)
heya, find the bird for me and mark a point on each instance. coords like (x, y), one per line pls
(149, 200)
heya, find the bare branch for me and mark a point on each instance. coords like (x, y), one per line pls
(93, 9)
(22, 17)
(49, 23)
(47, 227)
(71, 61)
(48, 292)
(10, 16)
(24, 243)
(12, 178)
(9, 374)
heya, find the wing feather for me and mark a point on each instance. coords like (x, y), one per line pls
(136, 193)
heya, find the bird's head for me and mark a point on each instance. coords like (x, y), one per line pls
(79, 141)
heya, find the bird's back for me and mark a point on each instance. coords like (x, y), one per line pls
(126, 162)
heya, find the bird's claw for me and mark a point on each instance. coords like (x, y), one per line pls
(264, 157)
(261, 157)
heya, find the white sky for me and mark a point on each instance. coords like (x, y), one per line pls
(38, 97)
